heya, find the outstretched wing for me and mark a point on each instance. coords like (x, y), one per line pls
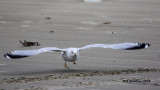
(122, 46)
(26, 53)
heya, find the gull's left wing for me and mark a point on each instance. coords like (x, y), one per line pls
(121, 46)
(26, 53)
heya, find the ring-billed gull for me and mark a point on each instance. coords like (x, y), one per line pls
(72, 54)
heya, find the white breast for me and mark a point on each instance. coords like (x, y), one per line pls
(70, 55)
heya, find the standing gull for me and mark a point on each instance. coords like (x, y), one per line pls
(72, 54)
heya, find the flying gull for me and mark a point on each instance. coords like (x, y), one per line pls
(72, 54)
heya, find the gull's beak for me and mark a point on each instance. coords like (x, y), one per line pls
(75, 54)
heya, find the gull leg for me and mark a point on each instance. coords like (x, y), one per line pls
(74, 62)
(65, 65)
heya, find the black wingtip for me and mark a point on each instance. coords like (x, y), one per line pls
(140, 46)
(145, 45)
(148, 44)
(10, 56)
(7, 56)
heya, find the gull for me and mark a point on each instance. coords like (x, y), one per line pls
(72, 54)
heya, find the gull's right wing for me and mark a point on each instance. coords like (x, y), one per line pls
(26, 53)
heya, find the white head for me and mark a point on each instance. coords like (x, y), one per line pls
(74, 52)
(71, 54)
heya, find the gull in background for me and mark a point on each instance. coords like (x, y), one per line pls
(72, 54)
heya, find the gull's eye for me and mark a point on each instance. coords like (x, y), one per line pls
(71, 52)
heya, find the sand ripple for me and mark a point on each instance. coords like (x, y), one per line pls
(75, 75)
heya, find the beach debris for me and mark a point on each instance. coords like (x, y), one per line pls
(107, 23)
(48, 18)
(51, 31)
(29, 43)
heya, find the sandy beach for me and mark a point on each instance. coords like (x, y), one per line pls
(75, 23)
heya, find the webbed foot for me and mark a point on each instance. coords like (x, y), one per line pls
(74, 62)
(65, 65)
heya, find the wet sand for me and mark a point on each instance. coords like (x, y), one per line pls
(74, 23)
